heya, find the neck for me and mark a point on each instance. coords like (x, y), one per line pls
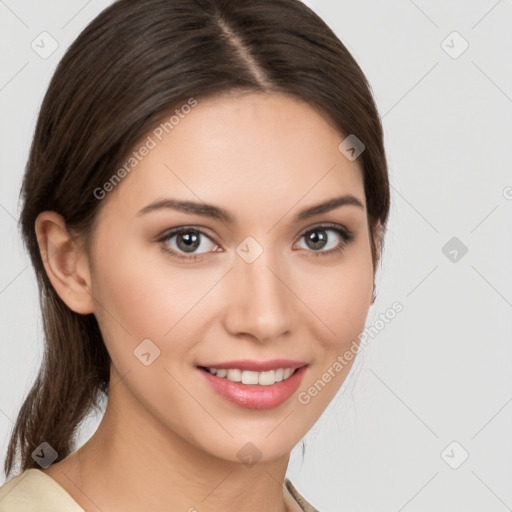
(133, 463)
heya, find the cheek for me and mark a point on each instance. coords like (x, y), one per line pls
(143, 296)
(131, 303)
(339, 297)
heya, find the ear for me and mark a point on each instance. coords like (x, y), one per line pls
(378, 233)
(378, 239)
(65, 263)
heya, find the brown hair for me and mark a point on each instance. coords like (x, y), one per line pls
(135, 62)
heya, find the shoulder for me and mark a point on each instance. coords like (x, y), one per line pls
(305, 505)
(34, 491)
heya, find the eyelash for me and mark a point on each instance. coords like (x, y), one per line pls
(346, 237)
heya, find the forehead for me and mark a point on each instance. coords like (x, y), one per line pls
(253, 152)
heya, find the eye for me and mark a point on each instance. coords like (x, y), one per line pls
(187, 243)
(326, 239)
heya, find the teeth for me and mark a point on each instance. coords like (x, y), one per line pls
(249, 377)
(267, 378)
(234, 375)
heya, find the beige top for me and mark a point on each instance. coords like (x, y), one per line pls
(35, 491)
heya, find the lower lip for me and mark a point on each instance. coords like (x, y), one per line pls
(255, 396)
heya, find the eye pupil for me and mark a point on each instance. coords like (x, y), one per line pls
(318, 238)
(190, 239)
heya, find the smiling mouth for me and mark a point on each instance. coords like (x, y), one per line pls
(252, 389)
(249, 377)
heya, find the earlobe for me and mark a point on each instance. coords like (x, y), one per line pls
(65, 262)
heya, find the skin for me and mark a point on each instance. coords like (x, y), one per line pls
(167, 441)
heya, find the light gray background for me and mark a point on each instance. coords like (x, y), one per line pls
(441, 370)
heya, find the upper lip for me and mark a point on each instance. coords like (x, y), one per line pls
(257, 366)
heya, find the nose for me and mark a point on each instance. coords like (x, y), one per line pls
(259, 303)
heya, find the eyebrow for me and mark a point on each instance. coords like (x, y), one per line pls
(215, 212)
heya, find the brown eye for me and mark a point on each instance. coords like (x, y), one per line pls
(188, 241)
(316, 239)
(326, 239)
(180, 242)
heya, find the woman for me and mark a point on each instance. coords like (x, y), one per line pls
(204, 205)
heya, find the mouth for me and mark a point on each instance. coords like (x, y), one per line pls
(266, 378)
(253, 389)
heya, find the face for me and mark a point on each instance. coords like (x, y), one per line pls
(256, 283)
